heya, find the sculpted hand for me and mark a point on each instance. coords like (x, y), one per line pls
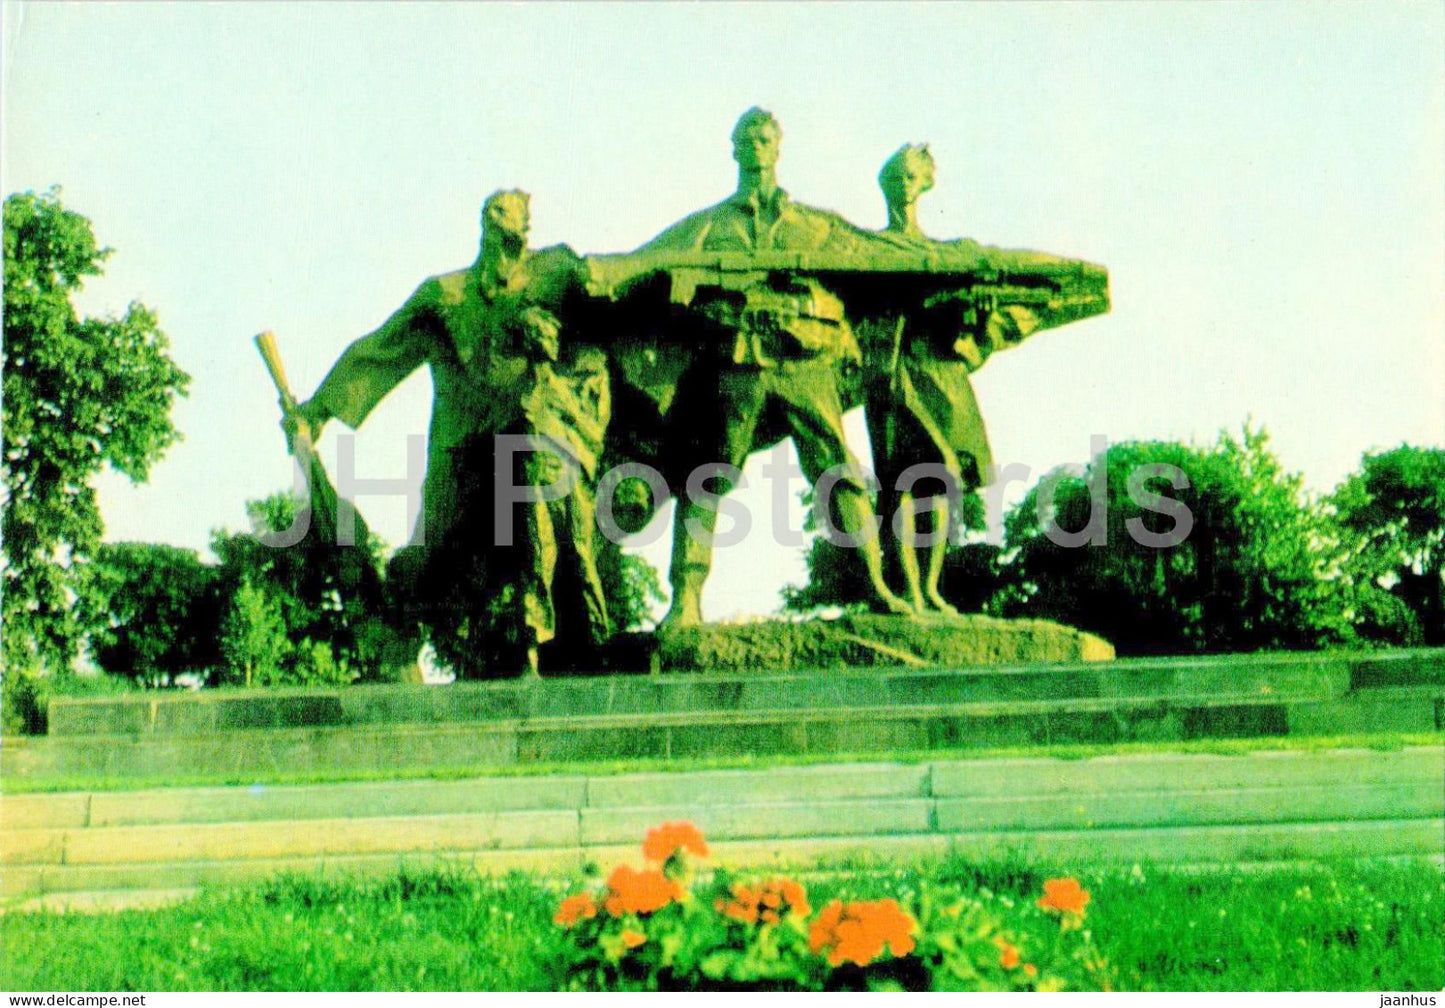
(305, 421)
(967, 348)
(541, 329)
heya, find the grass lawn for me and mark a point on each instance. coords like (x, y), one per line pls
(1223, 747)
(1329, 926)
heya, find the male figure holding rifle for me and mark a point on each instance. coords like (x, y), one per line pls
(775, 372)
(479, 330)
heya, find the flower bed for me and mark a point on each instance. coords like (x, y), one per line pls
(669, 925)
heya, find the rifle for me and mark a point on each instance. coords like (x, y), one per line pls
(322, 495)
(1060, 290)
(897, 352)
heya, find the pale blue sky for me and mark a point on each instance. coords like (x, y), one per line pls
(1263, 181)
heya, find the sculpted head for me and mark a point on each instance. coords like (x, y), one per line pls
(907, 175)
(506, 219)
(756, 140)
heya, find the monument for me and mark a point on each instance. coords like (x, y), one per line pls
(755, 320)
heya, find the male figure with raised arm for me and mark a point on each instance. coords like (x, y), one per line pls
(489, 334)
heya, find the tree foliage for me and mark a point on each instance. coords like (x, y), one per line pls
(1163, 547)
(630, 585)
(79, 394)
(1391, 516)
(317, 589)
(254, 645)
(273, 615)
(156, 611)
(1245, 570)
(836, 576)
(265, 615)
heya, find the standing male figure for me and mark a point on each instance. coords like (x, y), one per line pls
(773, 365)
(920, 405)
(475, 329)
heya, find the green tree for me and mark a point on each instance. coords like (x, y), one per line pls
(836, 576)
(253, 640)
(323, 593)
(630, 585)
(79, 394)
(474, 630)
(1246, 569)
(156, 611)
(314, 663)
(1391, 516)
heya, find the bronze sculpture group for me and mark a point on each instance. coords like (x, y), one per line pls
(751, 321)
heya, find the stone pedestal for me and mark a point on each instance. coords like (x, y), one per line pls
(869, 640)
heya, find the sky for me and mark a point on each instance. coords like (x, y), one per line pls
(1264, 183)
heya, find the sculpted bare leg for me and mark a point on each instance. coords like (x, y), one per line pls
(538, 620)
(691, 561)
(907, 553)
(936, 552)
(856, 520)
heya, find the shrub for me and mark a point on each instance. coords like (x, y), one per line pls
(26, 692)
(22, 711)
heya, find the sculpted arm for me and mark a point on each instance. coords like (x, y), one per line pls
(376, 363)
(596, 392)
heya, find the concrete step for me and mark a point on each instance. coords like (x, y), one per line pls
(1169, 807)
(722, 818)
(225, 872)
(433, 797)
(1056, 849)
(319, 801)
(1039, 777)
(239, 735)
(1193, 808)
(493, 831)
(1062, 848)
(1149, 808)
(287, 838)
(26, 811)
(944, 778)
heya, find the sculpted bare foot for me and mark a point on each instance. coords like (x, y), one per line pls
(685, 612)
(530, 668)
(887, 602)
(939, 604)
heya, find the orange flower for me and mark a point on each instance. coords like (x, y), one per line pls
(1008, 956)
(858, 932)
(795, 895)
(767, 902)
(743, 906)
(1031, 970)
(1064, 895)
(632, 938)
(575, 908)
(640, 892)
(664, 841)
